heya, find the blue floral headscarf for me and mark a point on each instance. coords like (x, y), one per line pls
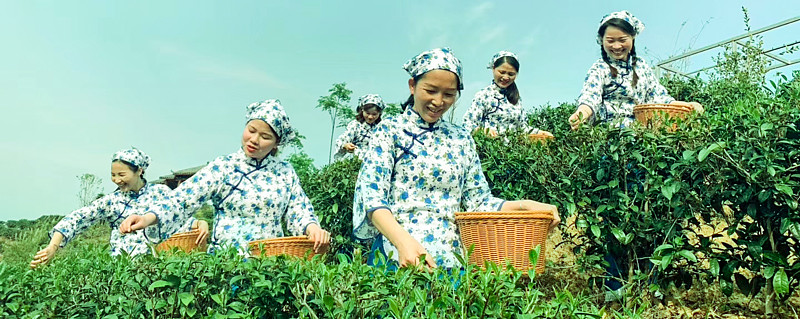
(133, 156)
(499, 55)
(626, 16)
(436, 59)
(272, 113)
(371, 99)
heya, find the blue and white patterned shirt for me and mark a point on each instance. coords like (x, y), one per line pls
(423, 173)
(357, 133)
(114, 208)
(251, 200)
(612, 99)
(491, 109)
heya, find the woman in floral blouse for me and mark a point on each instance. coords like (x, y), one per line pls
(498, 107)
(133, 196)
(420, 170)
(356, 137)
(251, 189)
(619, 80)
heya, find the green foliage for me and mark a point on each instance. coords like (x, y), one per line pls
(331, 190)
(391, 110)
(303, 165)
(639, 193)
(89, 283)
(335, 104)
(743, 62)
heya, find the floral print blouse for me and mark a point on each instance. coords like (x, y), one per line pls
(357, 133)
(114, 208)
(423, 173)
(251, 200)
(612, 98)
(491, 109)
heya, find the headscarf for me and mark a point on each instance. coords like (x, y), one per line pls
(499, 55)
(436, 59)
(133, 156)
(371, 99)
(272, 113)
(626, 16)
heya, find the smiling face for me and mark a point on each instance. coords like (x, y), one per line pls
(371, 113)
(258, 139)
(434, 93)
(617, 43)
(125, 178)
(504, 75)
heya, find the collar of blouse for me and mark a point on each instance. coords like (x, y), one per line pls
(499, 93)
(415, 118)
(620, 64)
(258, 164)
(135, 194)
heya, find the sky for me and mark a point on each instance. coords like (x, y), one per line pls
(80, 80)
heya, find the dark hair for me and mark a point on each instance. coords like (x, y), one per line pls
(130, 165)
(410, 100)
(627, 28)
(274, 151)
(364, 108)
(511, 92)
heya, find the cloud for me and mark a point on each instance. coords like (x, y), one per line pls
(205, 65)
(479, 11)
(491, 34)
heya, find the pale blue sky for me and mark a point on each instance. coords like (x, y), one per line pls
(82, 79)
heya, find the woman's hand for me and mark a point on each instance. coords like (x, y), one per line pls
(580, 116)
(201, 225)
(697, 107)
(321, 238)
(136, 222)
(408, 248)
(349, 147)
(529, 205)
(408, 252)
(43, 256)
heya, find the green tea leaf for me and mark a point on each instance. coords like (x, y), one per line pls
(780, 282)
(784, 189)
(714, 267)
(185, 298)
(618, 234)
(159, 284)
(769, 271)
(595, 230)
(688, 255)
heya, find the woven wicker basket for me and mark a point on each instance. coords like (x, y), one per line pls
(540, 137)
(503, 237)
(183, 241)
(653, 115)
(298, 246)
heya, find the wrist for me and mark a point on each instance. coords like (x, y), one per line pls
(150, 218)
(313, 227)
(403, 241)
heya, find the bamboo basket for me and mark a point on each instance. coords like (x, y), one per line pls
(298, 246)
(653, 115)
(183, 241)
(540, 138)
(502, 237)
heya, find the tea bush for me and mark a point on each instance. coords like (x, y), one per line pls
(88, 283)
(641, 194)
